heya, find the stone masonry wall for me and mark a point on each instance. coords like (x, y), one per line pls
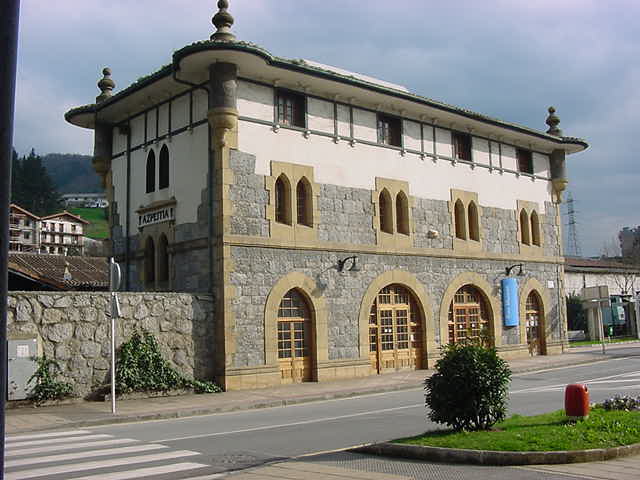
(257, 270)
(248, 196)
(346, 215)
(499, 230)
(72, 328)
(431, 215)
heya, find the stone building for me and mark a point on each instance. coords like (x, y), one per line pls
(343, 225)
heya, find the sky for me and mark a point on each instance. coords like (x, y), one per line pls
(510, 59)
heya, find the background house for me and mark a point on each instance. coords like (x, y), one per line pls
(62, 234)
(24, 231)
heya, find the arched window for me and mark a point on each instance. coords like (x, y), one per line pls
(469, 317)
(304, 203)
(283, 200)
(149, 262)
(151, 172)
(474, 222)
(524, 228)
(294, 338)
(459, 217)
(163, 259)
(386, 217)
(535, 229)
(163, 181)
(402, 213)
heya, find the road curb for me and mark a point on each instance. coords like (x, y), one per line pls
(496, 458)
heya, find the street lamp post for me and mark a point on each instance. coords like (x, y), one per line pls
(9, 10)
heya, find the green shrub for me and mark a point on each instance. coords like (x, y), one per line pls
(46, 386)
(141, 368)
(469, 389)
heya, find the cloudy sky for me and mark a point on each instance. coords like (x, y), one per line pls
(509, 59)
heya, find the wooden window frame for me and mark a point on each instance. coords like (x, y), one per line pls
(386, 211)
(461, 146)
(402, 213)
(525, 232)
(460, 219)
(151, 172)
(163, 168)
(473, 218)
(389, 130)
(283, 200)
(524, 161)
(535, 229)
(291, 108)
(304, 203)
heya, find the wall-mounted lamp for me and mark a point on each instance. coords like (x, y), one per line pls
(354, 264)
(507, 271)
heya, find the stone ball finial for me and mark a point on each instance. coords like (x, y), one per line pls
(223, 21)
(105, 85)
(553, 121)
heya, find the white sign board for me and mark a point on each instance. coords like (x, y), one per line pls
(152, 217)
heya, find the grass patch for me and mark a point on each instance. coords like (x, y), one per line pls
(548, 432)
(99, 227)
(582, 343)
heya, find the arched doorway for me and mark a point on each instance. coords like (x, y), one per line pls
(469, 318)
(534, 319)
(395, 331)
(295, 338)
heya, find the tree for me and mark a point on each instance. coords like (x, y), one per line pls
(32, 187)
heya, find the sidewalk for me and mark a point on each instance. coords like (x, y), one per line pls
(85, 414)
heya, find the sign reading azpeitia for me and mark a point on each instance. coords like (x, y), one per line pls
(156, 216)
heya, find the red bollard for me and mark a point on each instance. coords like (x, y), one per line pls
(576, 401)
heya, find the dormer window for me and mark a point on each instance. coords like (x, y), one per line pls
(291, 109)
(461, 146)
(389, 131)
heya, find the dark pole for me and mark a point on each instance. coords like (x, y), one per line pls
(9, 46)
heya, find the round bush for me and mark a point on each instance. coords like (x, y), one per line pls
(469, 389)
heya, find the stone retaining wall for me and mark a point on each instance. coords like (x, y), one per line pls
(73, 329)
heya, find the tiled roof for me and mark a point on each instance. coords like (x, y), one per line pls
(66, 214)
(65, 273)
(602, 265)
(22, 210)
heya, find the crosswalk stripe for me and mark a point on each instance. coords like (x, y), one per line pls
(49, 441)
(15, 438)
(67, 446)
(86, 454)
(102, 464)
(149, 472)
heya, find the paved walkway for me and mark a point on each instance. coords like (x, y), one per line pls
(85, 414)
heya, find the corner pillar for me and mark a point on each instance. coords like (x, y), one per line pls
(223, 130)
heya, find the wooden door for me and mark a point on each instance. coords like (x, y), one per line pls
(468, 319)
(533, 318)
(395, 331)
(294, 339)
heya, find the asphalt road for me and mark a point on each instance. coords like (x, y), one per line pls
(239, 440)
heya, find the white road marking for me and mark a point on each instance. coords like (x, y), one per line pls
(152, 472)
(101, 464)
(85, 454)
(16, 438)
(67, 446)
(49, 441)
(591, 381)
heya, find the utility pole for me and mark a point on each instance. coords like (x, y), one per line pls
(9, 10)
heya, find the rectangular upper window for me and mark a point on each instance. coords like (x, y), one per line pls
(389, 131)
(461, 146)
(291, 108)
(525, 161)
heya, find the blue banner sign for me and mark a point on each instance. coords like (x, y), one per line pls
(510, 302)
